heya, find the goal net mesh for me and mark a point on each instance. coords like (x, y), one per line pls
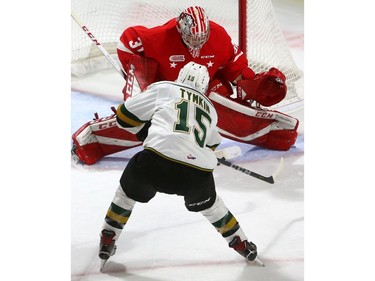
(266, 46)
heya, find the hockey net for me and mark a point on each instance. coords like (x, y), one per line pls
(252, 24)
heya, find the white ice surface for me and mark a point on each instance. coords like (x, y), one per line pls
(162, 241)
(41, 236)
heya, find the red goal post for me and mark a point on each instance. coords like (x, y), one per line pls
(252, 24)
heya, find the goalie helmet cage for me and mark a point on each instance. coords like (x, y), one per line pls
(252, 24)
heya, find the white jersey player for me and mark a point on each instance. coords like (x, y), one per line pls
(178, 158)
(183, 120)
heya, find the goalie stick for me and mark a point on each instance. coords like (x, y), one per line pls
(97, 43)
(270, 179)
(221, 157)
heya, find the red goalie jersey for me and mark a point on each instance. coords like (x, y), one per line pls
(154, 54)
(163, 44)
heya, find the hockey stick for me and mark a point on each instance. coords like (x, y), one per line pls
(228, 152)
(221, 157)
(270, 179)
(97, 43)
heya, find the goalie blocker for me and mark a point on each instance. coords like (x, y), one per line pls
(237, 121)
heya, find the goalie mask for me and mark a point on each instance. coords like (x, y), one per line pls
(194, 75)
(194, 27)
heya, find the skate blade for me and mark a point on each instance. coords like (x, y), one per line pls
(102, 264)
(257, 261)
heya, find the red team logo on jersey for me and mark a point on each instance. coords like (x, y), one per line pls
(177, 58)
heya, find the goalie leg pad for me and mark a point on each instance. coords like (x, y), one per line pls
(278, 139)
(101, 137)
(266, 128)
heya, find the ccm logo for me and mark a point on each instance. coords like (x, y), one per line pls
(130, 82)
(199, 203)
(264, 115)
(105, 125)
(90, 35)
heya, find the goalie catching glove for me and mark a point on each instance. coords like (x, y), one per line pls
(267, 88)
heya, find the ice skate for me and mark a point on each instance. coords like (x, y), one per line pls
(246, 249)
(75, 155)
(107, 246)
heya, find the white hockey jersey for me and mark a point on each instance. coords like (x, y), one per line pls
(183, 123)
